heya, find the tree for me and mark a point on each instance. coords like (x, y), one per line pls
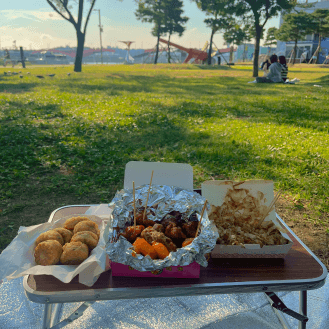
(63, 8)
(260, 12)
(152, 11)
(270, 37)
(294, 27)
(220, 12)
(235, 35)
(320, 26)
(173, 19)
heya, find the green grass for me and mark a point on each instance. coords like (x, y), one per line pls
(66, 140)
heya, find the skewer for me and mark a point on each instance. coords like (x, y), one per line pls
(270, 208)
(237, 184)
(134, 205)
(148, 193)
(203, 209)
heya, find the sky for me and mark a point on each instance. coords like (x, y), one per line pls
(35, 25)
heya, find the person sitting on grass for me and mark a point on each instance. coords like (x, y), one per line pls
(266, 66)
(284, 71)
(274, 74)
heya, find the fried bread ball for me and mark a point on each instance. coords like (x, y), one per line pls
(48, 252)
(49, 235)
(87, 226)
(71, 222)
(74, 253)
(66, 234)
(86, 237)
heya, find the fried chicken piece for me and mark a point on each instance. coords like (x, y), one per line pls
(187, 242)
(132, 233)
(141, 246)
(151, 235)
(87, 226)
(49, 235)
(71, 222)
(190, 229)
(174, 232)
(147, 234)
(158, 227)
(146, 222)
(74, 253)
(86, 237)
(168, 219)
(48, 252)
(66, 234)
(160, 249)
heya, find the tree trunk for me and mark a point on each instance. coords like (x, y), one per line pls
(210, 47)
(157, 50)
(169, 49)
(318, 49)
(256, 51)
(79, 54)
(231, 53)
(295, 53)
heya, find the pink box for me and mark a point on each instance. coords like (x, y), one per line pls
(188, 271)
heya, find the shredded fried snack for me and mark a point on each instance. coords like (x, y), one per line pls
(237, 220)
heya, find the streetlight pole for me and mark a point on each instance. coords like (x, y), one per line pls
(100, 32)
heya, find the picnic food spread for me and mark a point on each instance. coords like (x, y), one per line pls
(68, 245)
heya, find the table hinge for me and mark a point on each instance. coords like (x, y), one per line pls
(279, 305)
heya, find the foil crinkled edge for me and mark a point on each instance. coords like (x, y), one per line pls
(162, 200)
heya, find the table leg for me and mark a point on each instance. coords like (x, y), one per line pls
(280, 316)
(47, 316)
(302, 307)
(56, 314)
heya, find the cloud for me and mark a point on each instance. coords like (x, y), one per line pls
(30, 14)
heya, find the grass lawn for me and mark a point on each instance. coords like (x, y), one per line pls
(66, 140)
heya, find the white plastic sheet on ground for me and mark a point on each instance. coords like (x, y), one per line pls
(247, 311)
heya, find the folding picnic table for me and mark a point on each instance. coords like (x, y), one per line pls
(300, 270)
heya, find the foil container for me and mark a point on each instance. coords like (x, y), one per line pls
(162, 201)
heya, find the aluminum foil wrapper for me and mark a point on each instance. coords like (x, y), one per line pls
(162, 201)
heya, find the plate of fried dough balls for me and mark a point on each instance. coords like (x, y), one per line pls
(67, 245)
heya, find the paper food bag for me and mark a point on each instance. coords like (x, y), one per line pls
(18, 258)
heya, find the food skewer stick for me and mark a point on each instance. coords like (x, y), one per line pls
(134, 205)
(270, 208)
(148, 193)
(237, 184)
(203, 209)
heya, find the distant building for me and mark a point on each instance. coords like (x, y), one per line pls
(308, 45)
(245, 52)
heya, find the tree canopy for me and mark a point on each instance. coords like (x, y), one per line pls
(220, 15)
(320, 26)
(64, 8)
(260, 12)
(270, 37)
(294, 27)
(174, 21)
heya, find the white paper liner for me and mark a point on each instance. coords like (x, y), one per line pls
(18, 258)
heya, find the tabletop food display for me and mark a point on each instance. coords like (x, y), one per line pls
(154, 230)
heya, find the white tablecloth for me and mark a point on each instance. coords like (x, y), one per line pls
(247, 311)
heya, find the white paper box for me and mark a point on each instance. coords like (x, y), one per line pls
(215, 191)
